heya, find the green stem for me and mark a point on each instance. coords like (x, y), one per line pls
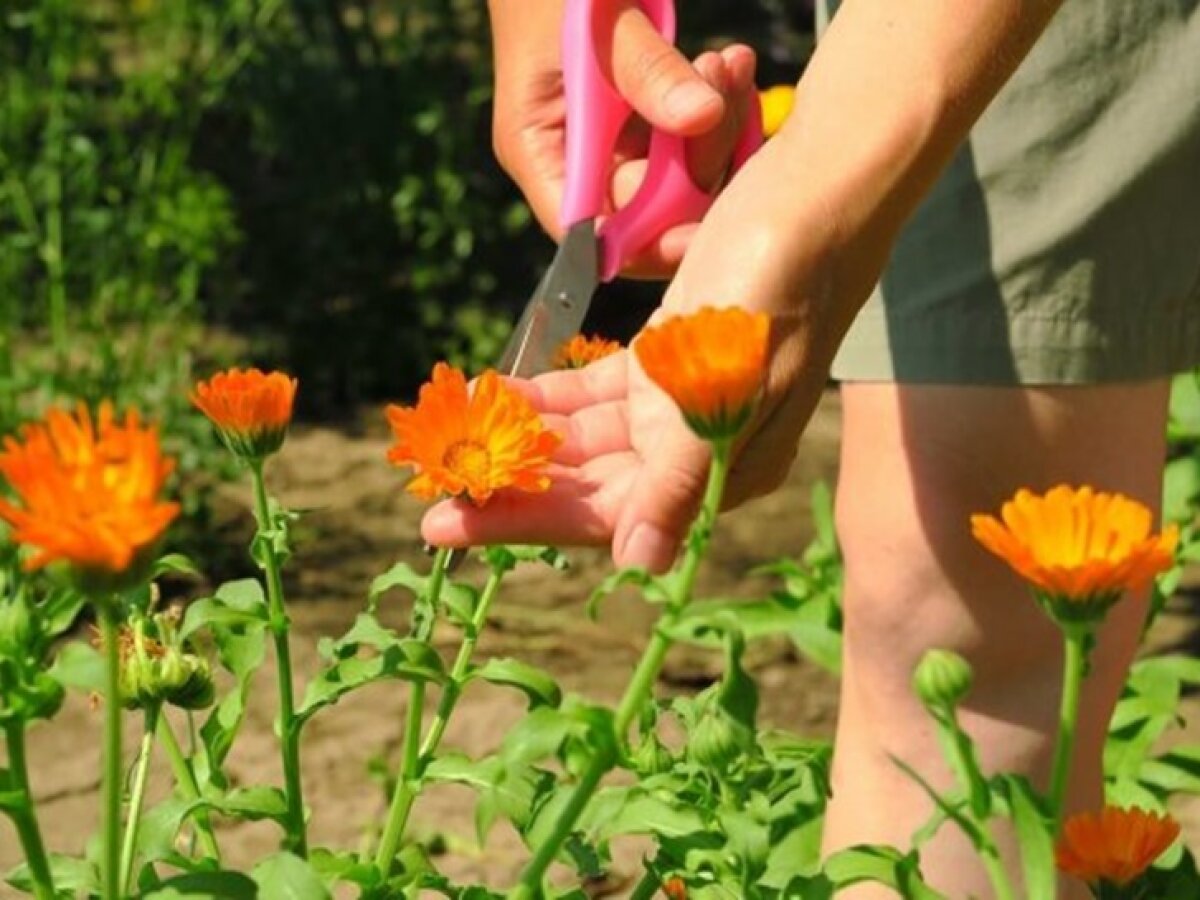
(995, 869)
(110, 868)
(641, 684)
(24, 818)
(289, 734)
(410, 759)
(646, 888)
(138, 796)
(1068, 716)
(185, 779)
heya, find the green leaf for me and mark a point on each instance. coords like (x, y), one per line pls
(72, 876)
(400, 575)
(59, 611)
(511, 789)
(242, 655)
(175, 563)
(656, 589)
(821, 503)
(637, 811)
(204, 885)
(1035, 836)
(406, 660)
(882, 865)
(288, 877)
(1181, 489)
(79, 666)
(211, 612)
(537, 684)
(344, 867)
(502, 558)
(252, 804)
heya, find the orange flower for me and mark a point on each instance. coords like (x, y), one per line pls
(579, 351)
(470, 443)
(250, 409)
(1082, 547)
(777, 105)
(87, 492)
(675, 889)
(1115, 845)
(711, 363)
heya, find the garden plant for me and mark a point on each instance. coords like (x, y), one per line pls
(731, 809)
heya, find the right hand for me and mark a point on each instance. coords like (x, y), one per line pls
(706, 101)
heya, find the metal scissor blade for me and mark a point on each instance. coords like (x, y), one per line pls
(555, 312)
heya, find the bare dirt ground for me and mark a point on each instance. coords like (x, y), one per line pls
(358, 522)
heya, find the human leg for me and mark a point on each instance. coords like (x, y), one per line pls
(916, 462)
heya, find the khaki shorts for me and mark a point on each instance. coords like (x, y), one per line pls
(1062, 246)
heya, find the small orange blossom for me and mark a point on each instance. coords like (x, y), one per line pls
(711, 363)
(87, 492)
(579, 351)
(470, 443)
(251, 409)
(1079, 546)
(1114, 845)
(777, 105)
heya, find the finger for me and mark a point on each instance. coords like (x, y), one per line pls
(654, 76)
(662, 257)
(565, 392)
(579, 509)
(710, 154)
(740, 63)
(662, 501)
(592, 432)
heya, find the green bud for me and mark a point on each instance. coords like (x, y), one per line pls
(942, 679)
(718, 739)
(152, 674)
(651, 757)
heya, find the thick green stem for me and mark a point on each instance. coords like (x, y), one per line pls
(289, 734)
(185, 780)
(138, 796)
(646, 888)
(640, 685)
(24, 818)
(1075, 640)
(110, 867)
(995, 870)
(410, 759)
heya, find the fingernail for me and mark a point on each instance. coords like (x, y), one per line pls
(648, 547)
(687, 98)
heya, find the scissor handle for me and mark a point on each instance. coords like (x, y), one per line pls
(596, 113)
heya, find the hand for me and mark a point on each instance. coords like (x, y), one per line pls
(629, 471)
(706, 101)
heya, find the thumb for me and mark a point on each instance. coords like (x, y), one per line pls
(662, 502)
(656, 79)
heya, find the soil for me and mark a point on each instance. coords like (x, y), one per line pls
(357, 522)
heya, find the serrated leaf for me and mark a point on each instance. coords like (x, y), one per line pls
(72, 876)
(288, 877)
(405, 660)
(654, 588)
(214, 885)
(400, 575)
(538, 685)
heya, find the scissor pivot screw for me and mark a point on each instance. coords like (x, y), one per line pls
(564, 301)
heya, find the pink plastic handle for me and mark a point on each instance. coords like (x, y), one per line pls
(596, 113)
(667, 196)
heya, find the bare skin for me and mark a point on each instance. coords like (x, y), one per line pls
(863, 145)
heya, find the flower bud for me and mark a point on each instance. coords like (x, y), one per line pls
(942, 679)
(16, 628)
(651, 757)
(152, 673)
(718, 739)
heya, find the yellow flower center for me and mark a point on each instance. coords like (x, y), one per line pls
(468, 460)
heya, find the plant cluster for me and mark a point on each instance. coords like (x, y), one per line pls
(733, 810)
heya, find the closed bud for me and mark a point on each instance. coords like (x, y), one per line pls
(152, 674)
(16, 628)
(718, 739)
(942, 680)
(651, 757)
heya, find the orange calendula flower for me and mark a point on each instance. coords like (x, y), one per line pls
(711, 363)
(777, 104)
(87, 492)
(1080, 548)
(675, 889)
(250, 409)
(1113, 846)
(470, 443)
(579, 351)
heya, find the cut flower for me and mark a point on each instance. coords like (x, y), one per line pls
(250, 409)
(711, 363)
(472, 444)
(1114, 845)
(1081, 549)
(87, 492)
(580, 351)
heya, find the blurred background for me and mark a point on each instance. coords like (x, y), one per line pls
(296, 183)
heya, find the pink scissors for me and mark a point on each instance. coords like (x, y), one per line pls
(588, 255)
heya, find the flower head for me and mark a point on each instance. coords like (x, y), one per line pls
(711, 363)
(674, 888)
(250, 409)
(1080, 548)
(777, 104)
(87, 492)
(1114, 845)
(470, 443)
(579, 351)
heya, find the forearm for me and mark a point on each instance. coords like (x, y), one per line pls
(891, 92)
